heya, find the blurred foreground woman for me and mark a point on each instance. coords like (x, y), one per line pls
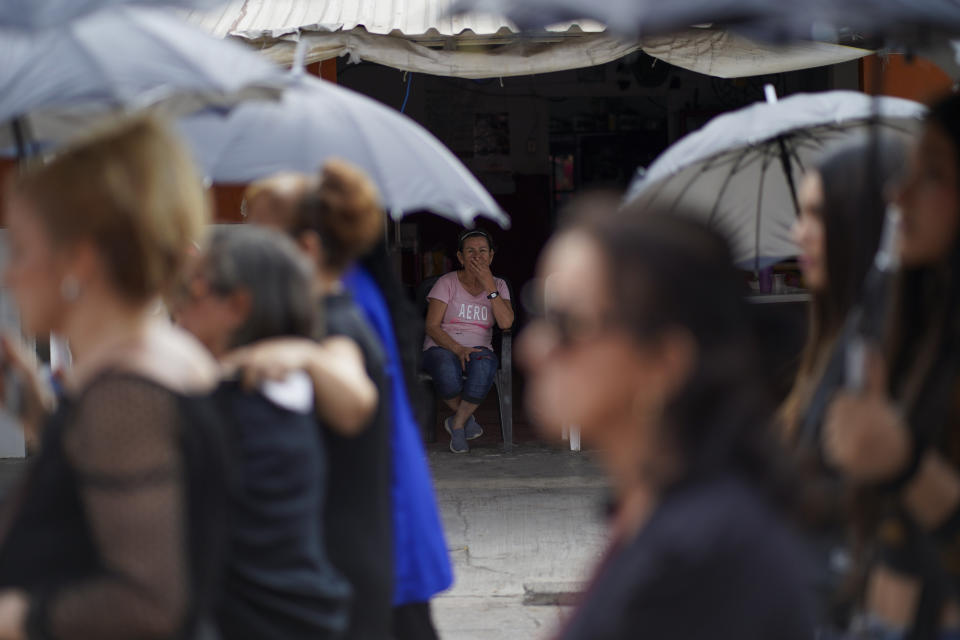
(115, 532)
(251, 284)
(646, 343)
(898, 441)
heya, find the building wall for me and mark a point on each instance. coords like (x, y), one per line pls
(611, 118)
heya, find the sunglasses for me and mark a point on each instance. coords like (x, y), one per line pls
(569, 328)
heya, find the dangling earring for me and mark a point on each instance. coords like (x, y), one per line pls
(70, 289)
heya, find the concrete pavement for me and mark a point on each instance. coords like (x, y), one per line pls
(524, 530)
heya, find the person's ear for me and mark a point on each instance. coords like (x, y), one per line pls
(670, 360)
(677, 355)
(82, 263)
(461, 258)
(310, 244)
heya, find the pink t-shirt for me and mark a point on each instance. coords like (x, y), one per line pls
(468, 319)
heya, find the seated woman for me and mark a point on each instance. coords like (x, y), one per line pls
(646, 343)
(250, 285)
(458, 351)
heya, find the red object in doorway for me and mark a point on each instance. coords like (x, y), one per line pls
(902, 77)
(326, 69)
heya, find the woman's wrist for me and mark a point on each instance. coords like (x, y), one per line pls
(933, 494)
(909, 470)
(15, 615)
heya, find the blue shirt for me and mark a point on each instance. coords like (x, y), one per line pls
(420, 550)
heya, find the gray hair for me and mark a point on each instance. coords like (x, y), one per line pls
(267, 265)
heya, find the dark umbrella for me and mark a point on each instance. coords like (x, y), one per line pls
(41, 14)
(635, 17)
(56, 82)
(895, 21)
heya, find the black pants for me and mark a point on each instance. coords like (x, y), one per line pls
(413, 622)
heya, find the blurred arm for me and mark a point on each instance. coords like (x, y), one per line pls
(934, 493)
(346, 397)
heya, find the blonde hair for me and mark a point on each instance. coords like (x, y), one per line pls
(132, 191)
(345, 211)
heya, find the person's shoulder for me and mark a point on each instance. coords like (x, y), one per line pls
(176, 359)
(166, 356)
(725, 515)
(444, 286)
(449, 278)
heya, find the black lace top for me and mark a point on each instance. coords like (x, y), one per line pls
(116, 529)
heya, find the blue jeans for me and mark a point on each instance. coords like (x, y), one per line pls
(450, 379)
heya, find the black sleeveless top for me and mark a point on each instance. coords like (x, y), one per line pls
(713, 561)
(358, 515)
(279, 582)
(117, 527)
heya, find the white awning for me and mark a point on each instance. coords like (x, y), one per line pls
(722, 54)
(412, 35)
(420, 36)
(418, 20)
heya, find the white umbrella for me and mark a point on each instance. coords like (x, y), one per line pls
(40, 14)
(57, 80)
(318, 120)
(733, 169)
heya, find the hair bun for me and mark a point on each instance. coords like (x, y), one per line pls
(353, 217)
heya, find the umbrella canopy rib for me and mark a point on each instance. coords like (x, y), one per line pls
(788, 172)
(795, 156)
(763, 178)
